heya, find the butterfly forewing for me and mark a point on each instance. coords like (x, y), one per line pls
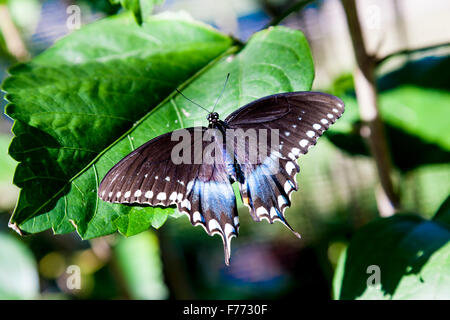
(299, 118)
(145, 176)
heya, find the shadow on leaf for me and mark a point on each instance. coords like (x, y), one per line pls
(405, 249)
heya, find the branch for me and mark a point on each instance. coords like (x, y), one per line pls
(372, 130)
(294, 8)
(410, 51)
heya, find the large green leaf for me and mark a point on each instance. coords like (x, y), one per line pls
(412, 254)
(77, 98)
(18, 276)
(64, 156)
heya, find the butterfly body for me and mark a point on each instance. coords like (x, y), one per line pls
(202, 188)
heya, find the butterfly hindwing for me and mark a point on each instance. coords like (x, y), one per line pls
(211, 203)
(299, 118)
(202, 190)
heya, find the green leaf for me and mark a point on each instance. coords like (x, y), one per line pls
(413, 256)
(413, 105)
(74, 152)
(141, 9)
(140, 220)
(74, 101)
(139, 260)
(18, 275)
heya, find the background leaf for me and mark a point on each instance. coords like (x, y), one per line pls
(70, 133)
(8, 191)
(413, 105)
(6, 163)
(18, 275)
(413, 255)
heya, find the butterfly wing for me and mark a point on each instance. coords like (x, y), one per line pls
(300, 118)
(202, 190)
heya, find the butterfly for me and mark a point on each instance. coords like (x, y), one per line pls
(203, 189)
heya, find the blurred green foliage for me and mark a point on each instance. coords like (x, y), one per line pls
(411, 255)
(18, 274)
(414, 102)
(7, 164)
(138, 258)
(8, 192)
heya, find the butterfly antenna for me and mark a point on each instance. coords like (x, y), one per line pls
(191, 100)
(223, 89)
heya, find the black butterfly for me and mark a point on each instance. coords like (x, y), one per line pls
(204, 190)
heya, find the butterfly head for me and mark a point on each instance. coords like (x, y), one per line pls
(213, 117)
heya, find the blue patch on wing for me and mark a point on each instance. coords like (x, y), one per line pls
(212, 205)
(267, 189)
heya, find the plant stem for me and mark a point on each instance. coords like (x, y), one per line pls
(13, 40)
(174, 269)
(294, 8)
(411, 51)
(372, 130)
